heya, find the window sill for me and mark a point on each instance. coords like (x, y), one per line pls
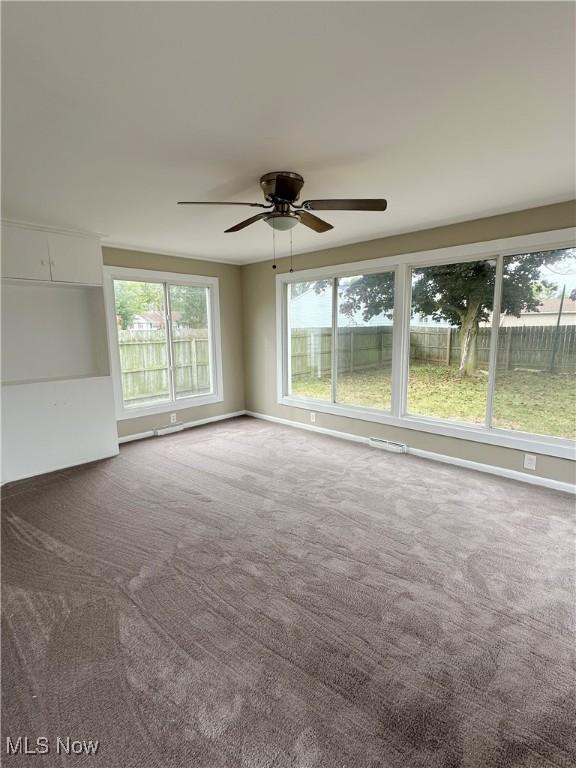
(154, 409)
(541, 444)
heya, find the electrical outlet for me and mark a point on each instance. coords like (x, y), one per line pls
(529, 461)
(312, 418)
(172, 418)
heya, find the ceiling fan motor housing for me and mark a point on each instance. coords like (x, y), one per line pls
(281, 185)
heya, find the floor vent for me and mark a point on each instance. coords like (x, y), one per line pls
(169, 430)
(387, 445)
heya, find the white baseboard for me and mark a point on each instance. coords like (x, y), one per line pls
(310, 427)
(180, 427)
(511, 474)
(136, 436)
(59, 468)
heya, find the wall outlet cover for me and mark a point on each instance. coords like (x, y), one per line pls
(529, 461)
(172, 418)
(312, 418)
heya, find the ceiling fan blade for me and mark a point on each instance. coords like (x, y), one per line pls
(309, 220)
(230, 202)
(287, 188)
(246, 222)
(345, 205)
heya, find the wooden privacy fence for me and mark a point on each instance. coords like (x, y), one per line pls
(529, 347)
(144, 362)
(358, 349)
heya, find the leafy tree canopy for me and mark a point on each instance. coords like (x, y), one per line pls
(190, 302)
(133, 298)
(461, 294)
(448, 292)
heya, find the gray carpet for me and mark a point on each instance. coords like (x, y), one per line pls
(250, 595)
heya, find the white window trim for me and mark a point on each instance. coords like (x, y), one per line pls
(401, 264)
(170, 278)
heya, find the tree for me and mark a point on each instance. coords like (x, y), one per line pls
(190, 302)
(133, 297)
(461, 294)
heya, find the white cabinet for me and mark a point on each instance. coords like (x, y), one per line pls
(25, 253)
(75, 259)
(35, 254)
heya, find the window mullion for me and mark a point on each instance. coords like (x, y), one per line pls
(287, 347)
(334, 346)
(211, 356)
(493, 355)
(400, 332)
(168, 320)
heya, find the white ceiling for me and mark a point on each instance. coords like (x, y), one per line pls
(112, 112)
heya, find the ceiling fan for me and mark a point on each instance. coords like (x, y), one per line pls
(281, 190)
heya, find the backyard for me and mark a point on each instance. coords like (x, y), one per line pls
(530, 401)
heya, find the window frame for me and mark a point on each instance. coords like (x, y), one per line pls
(402, 264)
(166, 279)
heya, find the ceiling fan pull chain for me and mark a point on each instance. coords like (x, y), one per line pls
(291, 253)
(274, 247)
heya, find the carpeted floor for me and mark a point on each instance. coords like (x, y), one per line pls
(255, 596)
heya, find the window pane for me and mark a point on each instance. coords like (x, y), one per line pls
(450, 340)
(364, 340)
(310, 335)
(190, 339)
(141, 318)
(536, 366)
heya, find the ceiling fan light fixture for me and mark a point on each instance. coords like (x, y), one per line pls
(281, 191)
(282, 222)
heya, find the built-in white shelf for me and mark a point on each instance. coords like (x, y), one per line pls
(17, 382)
(57, 395)
(53, 332)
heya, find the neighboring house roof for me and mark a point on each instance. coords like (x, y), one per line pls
(155, 317)
(545, 314)
(552, 306)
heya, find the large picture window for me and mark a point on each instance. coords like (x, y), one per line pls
(476, 342)
(450, 315)
(167, 341)
(535, 376)
(310, 339)
(364, 340)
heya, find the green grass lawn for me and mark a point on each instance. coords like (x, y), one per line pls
(538, 402)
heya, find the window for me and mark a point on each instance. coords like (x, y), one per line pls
(535, 387)
(450, 340)
(475, 341)
(166, 332)
(142, 341)
(364, 340)
(190, 337)
(350, 364)
(310, 334)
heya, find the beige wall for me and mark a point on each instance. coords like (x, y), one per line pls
(259, 316)
(231, 327)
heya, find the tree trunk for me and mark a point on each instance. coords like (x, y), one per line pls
(468, 336)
